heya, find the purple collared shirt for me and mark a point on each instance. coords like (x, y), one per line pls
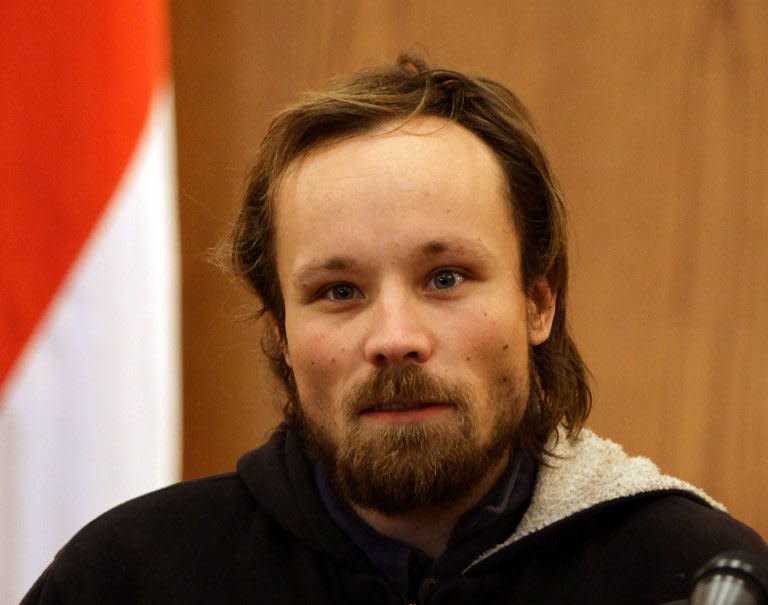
(487, 524)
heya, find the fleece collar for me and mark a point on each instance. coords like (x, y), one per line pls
(585, 471)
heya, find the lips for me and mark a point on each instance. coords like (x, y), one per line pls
(399, 406)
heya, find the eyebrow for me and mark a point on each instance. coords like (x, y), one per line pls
(462, 246)
(334, 263)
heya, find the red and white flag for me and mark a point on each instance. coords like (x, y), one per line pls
(89, 373)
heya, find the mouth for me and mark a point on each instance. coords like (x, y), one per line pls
(393, 412)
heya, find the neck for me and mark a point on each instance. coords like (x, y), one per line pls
(428, 529)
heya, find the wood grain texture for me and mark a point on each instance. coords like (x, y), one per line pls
(656, 122)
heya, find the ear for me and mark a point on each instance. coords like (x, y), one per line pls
(278, 339)
(541, 311)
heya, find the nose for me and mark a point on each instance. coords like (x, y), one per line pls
(398, 333)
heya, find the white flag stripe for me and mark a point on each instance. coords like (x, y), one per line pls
(90, 416)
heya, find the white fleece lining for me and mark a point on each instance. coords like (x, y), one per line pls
(586, 471)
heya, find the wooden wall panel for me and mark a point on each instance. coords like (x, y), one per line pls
(656, 121)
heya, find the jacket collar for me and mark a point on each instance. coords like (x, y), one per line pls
(279, 477)
(585, 471)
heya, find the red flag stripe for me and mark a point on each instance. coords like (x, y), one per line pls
(77, 78)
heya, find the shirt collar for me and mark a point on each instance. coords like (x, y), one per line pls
(488, 523)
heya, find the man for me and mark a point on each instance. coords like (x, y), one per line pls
(407, 241)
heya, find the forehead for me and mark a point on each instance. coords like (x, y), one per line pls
(400, 142)
(429, 178)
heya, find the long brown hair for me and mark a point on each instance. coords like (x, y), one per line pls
(560, 391)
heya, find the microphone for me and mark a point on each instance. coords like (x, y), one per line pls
(731, 578)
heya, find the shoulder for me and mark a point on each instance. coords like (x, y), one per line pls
(597, 483)
(186, 506)
(661, 540)
(216, 539)
(159, 539)
(677, 522)
(654, 526)
(644, 548)
(616, 518)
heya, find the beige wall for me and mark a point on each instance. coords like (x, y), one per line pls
(656, 121)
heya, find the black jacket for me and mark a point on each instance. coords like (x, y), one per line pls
(601, 528)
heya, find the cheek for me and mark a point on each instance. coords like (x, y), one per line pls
(493, 339)
(317, 360)
(494, 349)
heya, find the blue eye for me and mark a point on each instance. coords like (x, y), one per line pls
(445, 279)
(341, 292)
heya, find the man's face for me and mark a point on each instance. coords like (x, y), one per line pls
(405, 320)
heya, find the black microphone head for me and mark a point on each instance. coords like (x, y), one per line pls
(732, 578)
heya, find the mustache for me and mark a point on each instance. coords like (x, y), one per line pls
(403, 385)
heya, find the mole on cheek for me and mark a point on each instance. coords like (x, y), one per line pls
(505, 347)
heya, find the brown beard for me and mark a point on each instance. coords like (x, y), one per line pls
(401, 467)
